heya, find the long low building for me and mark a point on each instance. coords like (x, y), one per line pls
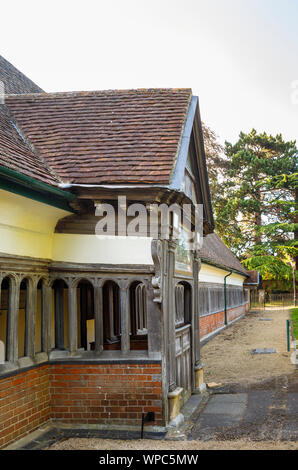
(98, 327)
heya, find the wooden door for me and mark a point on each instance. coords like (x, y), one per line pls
(183, 360)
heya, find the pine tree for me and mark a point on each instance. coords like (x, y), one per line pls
(256, 211)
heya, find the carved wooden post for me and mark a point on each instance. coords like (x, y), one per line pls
(31, 306)
(124, 317)
(154, 301)
(98, 316)
(198, 366)
(59, 315)
(171, 316)
(72, 317)
(111, 313)
(46, 332)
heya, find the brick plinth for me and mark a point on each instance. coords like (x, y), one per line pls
(211, 323)
(105, 394)
(80, 395)
(24, 403)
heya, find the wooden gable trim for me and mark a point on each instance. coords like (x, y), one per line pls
(178, 175)
(193, 137)
(202, 168)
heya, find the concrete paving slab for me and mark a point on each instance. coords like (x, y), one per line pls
(235, 410)
(263, 351)
(229, 398)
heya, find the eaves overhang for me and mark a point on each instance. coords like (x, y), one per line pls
(26, 186)
(221, 266)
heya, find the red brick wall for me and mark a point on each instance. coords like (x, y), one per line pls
(78, 394)
(106, 393)
(211, 323)
(24, 403)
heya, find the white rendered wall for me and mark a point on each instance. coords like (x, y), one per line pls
(27, 226)
(215, 275)
(107, 250)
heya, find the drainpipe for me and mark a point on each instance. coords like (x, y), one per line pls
(225, 296)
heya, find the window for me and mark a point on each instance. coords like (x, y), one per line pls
(40, 318)
(111, 316)
(86, 326)
(23, 319)
(183, 304)
(138, 317)
(60, 315)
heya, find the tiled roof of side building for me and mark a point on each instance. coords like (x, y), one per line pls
(119, 136)
(15, 82)
(16, 155)
(216, 252)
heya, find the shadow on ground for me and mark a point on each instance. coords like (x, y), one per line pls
(267, 410)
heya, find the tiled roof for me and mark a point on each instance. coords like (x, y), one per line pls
(16, 155)
(216, 252)
(122, 136)
(14, 80)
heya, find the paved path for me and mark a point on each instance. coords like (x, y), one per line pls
(259, 396)
(263, 411)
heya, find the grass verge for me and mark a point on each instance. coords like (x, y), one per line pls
(294, 318)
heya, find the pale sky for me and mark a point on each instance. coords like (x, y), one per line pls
(239, 56)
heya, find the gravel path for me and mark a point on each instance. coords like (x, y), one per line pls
(228, 359)
(109, 444)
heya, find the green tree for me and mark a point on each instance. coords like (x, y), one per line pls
(256, 211)
(216, 162)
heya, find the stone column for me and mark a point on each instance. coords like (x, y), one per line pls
(124, 317)
(98, 317)
(72, 318)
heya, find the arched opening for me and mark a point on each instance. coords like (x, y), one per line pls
(138, 316)
(23, 319)
(60, 323)
(111, 316)
(86, 319)
(40, 317)
(183, 304)
(5, 296)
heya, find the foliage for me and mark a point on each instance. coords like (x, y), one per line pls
(294, 316)
(215, 160)
(256, 207)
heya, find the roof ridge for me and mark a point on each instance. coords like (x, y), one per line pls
(14, 79)
(96, 92)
